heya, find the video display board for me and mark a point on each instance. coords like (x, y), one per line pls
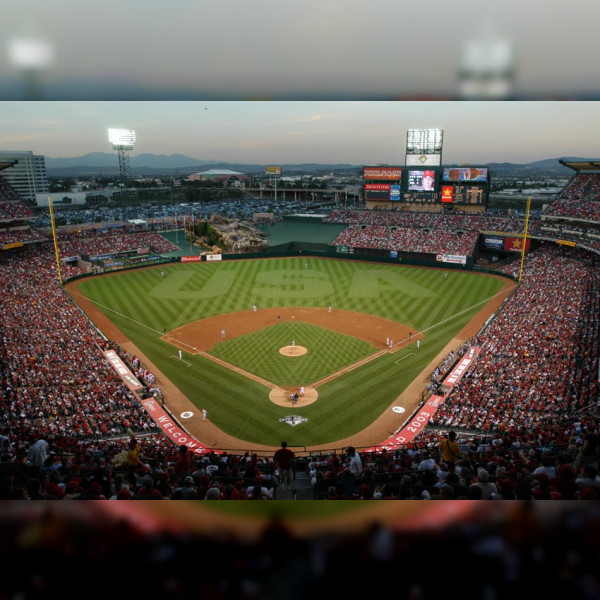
(465, 174)
(463, 194)
(382, 183)
(419, 180)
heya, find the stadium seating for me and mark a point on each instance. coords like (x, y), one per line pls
(531, 397)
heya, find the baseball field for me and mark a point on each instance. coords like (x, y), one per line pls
(355, 335)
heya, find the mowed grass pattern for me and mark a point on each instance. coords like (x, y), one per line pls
(141, 303)
(258, 353)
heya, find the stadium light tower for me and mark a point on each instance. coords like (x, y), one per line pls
(122, 141)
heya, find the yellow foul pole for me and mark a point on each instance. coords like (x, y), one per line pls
(55, 241)
(524, 238)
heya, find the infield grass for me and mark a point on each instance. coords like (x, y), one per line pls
(258, 353)
(141, 303)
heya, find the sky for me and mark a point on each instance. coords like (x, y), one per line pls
(316, 49)
(278, 132)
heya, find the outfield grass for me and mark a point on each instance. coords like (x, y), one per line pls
(141, 303)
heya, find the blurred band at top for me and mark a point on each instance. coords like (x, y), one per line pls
(314, 50)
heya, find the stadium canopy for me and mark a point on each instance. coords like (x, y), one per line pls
(4, 164)
(137, 221)
(591, 164)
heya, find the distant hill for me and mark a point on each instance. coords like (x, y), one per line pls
(547, 167)
(180, 165)
(173, 164)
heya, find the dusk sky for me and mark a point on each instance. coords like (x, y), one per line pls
(291, 132)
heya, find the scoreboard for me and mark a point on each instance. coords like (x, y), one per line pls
(465, 185)
(463, 194)
(427, 185)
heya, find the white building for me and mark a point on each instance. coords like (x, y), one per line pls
(74, 198)
(28, 176)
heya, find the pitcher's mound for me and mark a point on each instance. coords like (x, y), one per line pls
(293, 350)
(282, 396)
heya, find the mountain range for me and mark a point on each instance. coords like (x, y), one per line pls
(107, 164)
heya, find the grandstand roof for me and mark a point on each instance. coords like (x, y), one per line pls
(213, 172)
(590, 164)
(4, 164)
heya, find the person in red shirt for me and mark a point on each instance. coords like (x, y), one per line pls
(285, 460)
(183, 464)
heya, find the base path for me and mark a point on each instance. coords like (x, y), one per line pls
(204, 334)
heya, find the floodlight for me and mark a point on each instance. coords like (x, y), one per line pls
(122, 141)
(121, 137)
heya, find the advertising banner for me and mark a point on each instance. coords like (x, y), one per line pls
(447, 193)
(416, 425)
(458, 259)
(272, 170)
(419, 421)
(461, 368)
(512, 244)
(378, 186)
(13, 245)
(213, 257)
(123, 371)
(493, 242)
(172, 430)
(388, 173)
(191, 259)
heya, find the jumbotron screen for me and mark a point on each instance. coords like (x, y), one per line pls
(421, 180)
(465, 174)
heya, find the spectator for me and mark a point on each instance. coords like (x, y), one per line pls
(38, 453)
(450, 450)
(284, 460)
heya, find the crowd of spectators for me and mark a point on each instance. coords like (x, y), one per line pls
(14, 209)
(490, 467)
(425, 232)
(579, 200)
(99, 244)
(6, 192)
(431, 241)
(55, 380)
(539, 358)
(524, 413)
(488, 221)
(21, 234)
